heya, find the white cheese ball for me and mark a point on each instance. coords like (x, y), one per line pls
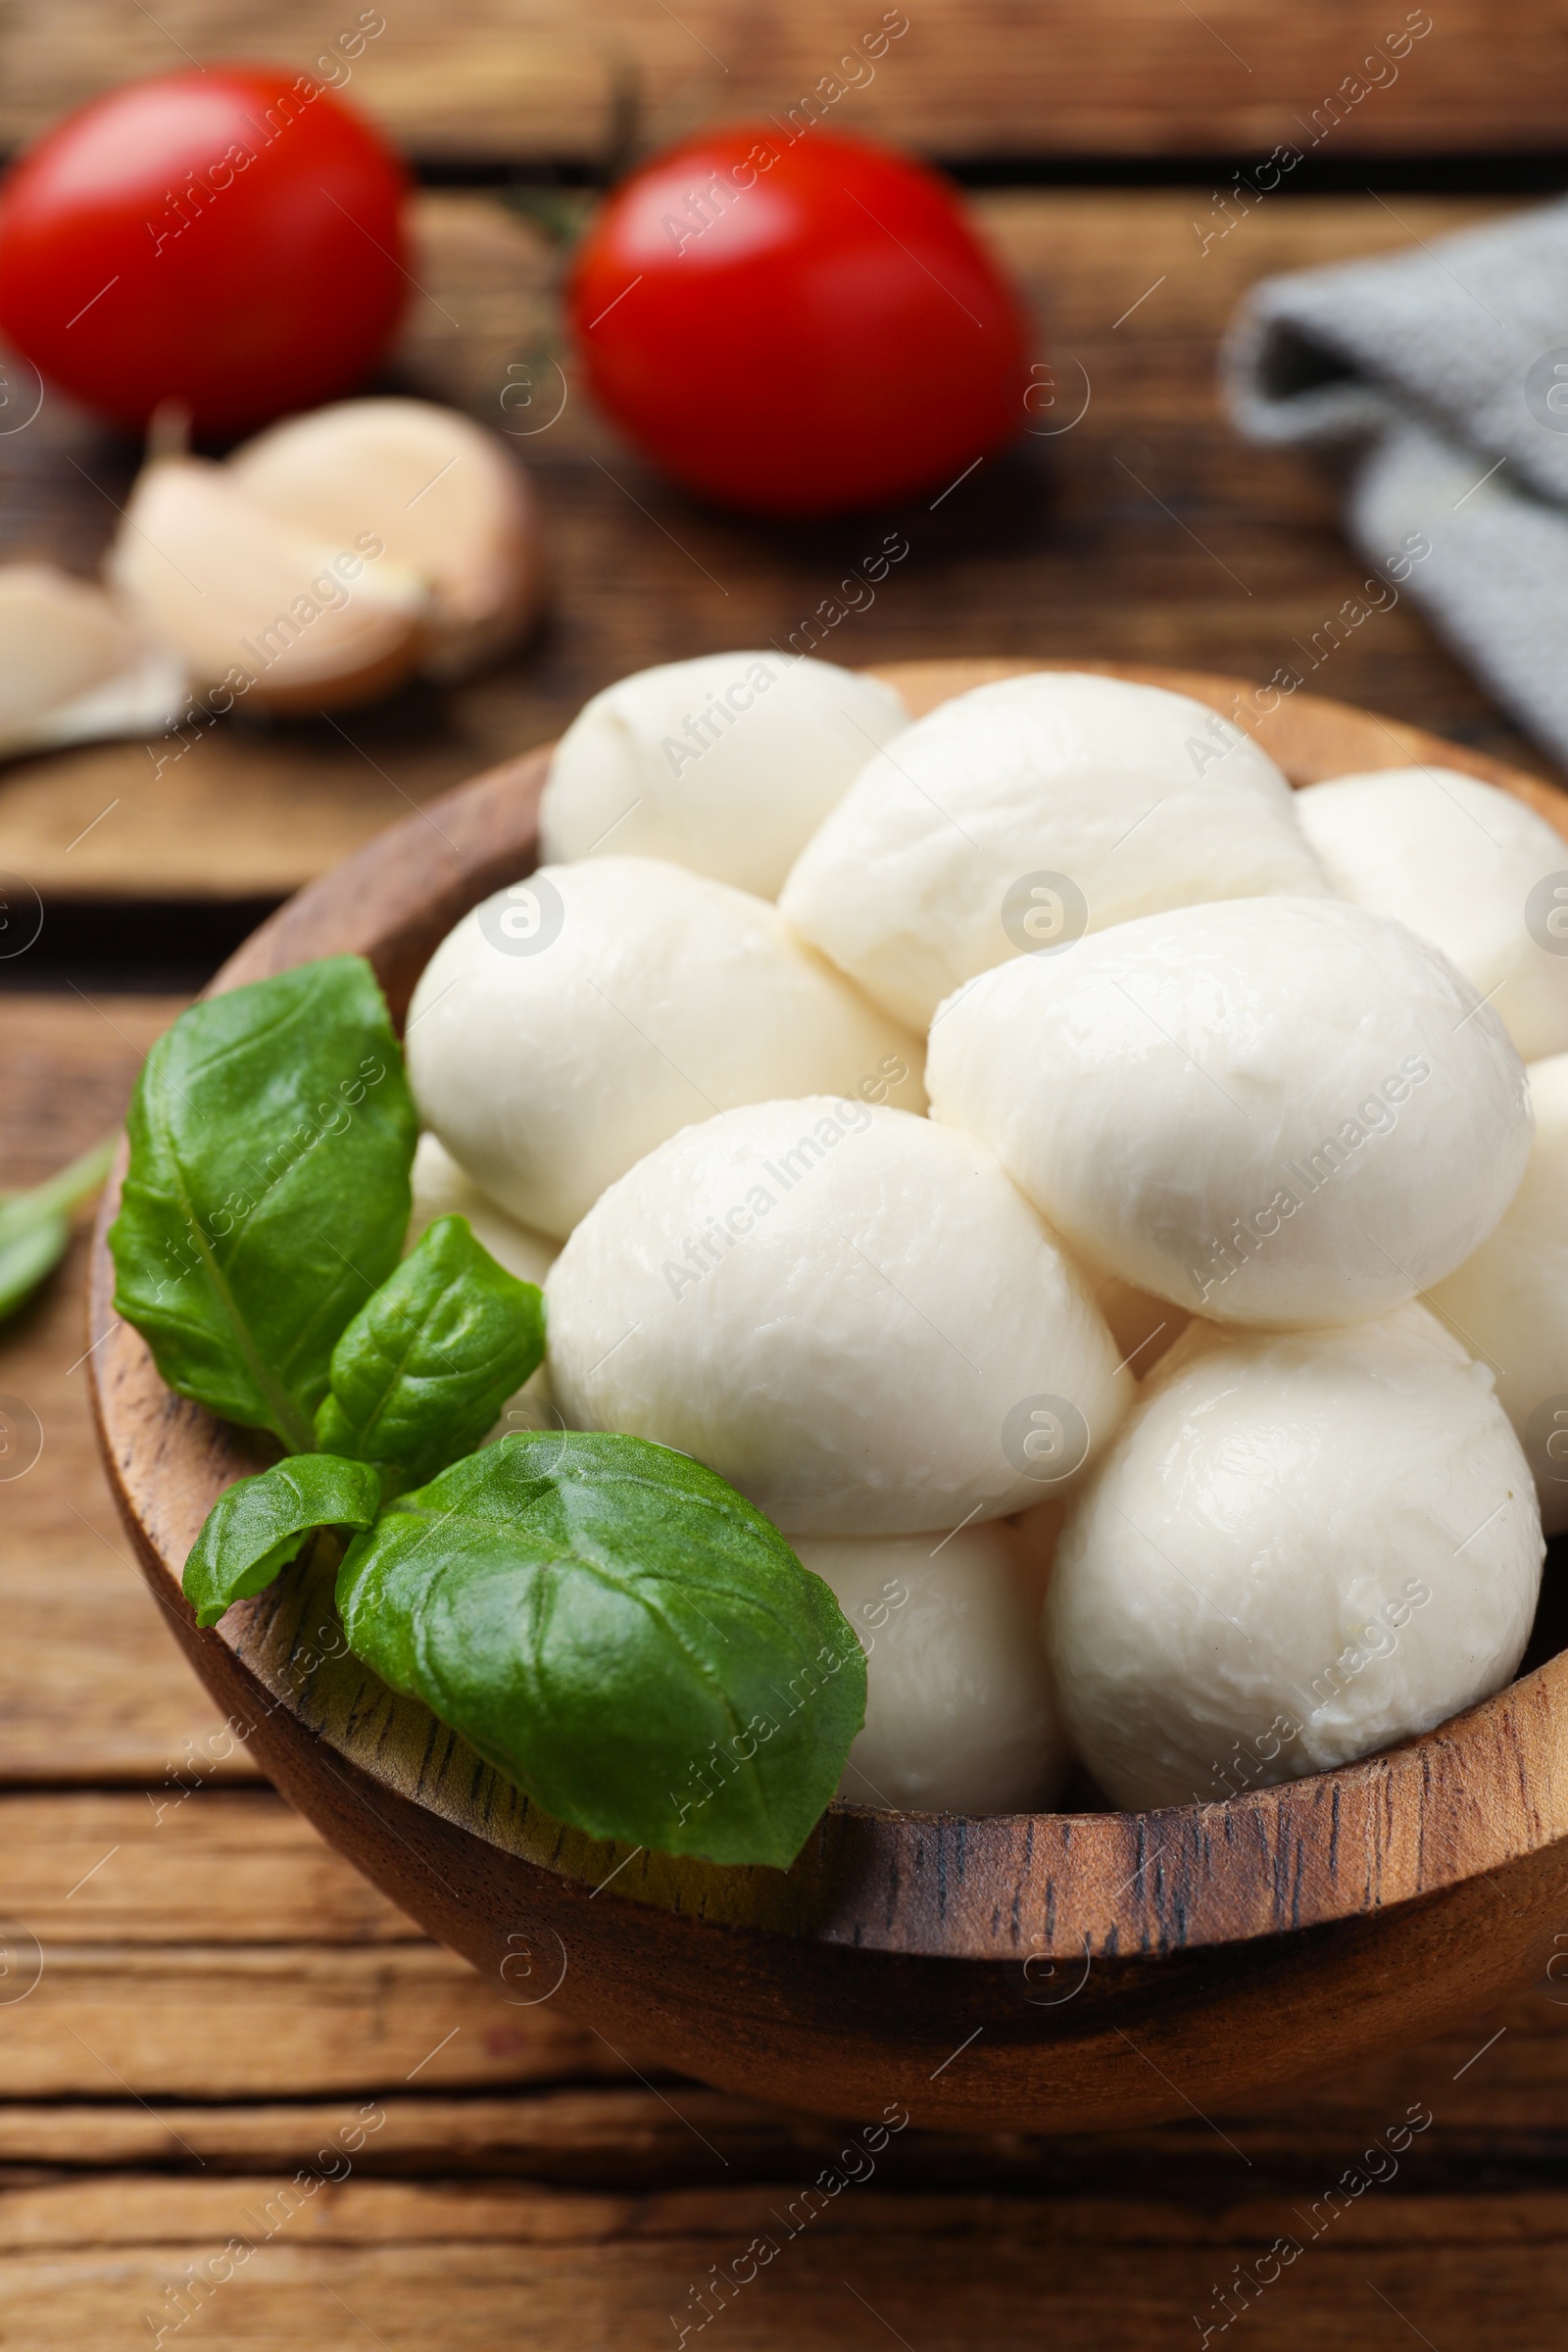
(1508, 1304)
(726, 765)
(848, 1312)
(1301, 1549)
(961, 1716)
(575, 1020)
(1463, 863)
(1013, 818)
(441, 1188)
(1272, 1110)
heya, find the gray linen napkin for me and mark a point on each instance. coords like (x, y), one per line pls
(1442, 373)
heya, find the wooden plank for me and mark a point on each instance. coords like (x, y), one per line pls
(965, 77)
(225, 2022)
(185, 1862)
(1503, 2111)
(414, 2268)
(91, 1685)
(1146, 533)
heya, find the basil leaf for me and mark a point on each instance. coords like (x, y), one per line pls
(35, 1228)
(272, 1133)
(620, 1634)
(426, 1365)
(257, 1526)
(32, 1249)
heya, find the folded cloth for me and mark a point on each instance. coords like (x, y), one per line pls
(1442, 373)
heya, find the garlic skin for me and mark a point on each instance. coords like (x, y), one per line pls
(571, 1023)
(1508, 1302)
(235, 591)
(1266, 1111)
(445, 498)
(71, 668)
(960, 1712)
(1300, 1548)
(1455, 860)
(847, 1312)
(725, 765)
(1014, 817)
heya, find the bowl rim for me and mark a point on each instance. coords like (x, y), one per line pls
(1461, 1801)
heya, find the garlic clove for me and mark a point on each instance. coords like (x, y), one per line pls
(310, 619)
(447, 500)
(72, 668)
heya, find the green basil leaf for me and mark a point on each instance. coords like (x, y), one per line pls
(272, 1133)
(28, 1251)
(425, 1368)
(620, 1634)
(35, 1228)
(257, 1526)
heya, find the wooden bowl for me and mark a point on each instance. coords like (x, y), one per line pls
(1050, 1971)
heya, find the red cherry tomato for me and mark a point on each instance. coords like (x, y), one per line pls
(797, 328)
(229, 238)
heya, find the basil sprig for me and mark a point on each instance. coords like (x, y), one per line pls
(619, 1633)
(36, 1225)
(605, 1621)
(425, 1368)
(272, 1135)
(258, 1525)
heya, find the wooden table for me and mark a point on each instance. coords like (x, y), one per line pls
(209, 2028)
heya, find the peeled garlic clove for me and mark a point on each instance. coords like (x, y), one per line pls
(443, 496)
(71, 668)
(312, 620)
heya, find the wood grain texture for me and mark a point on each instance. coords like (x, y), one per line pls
(1244, 1943)
(435, 2265)
(1146, 533)
(967, 77)
(89, 1690)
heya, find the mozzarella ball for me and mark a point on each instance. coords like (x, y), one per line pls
(961, 1716)
(848, 1312)
(726, 765)
(575, 1020)
(1015, 817)
(1508, 1302)
(1301, 1547)
(441, 1188)
(1463, 864)
(1273, 1110)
